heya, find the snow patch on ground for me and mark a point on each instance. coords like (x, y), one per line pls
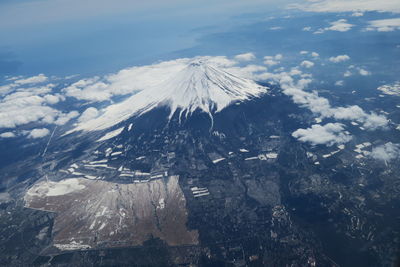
(60, 188)
(111, 134)
(72, 246)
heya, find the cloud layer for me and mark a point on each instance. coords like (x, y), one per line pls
(384, 25)
(349, 6)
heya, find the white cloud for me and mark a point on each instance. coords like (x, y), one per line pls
(32, 80)
(24, 105)
(390, 89)
(272, 60)
(18, 81)
(89, 89)
(319, 31)
(295, 71)
(307, 64)
(357, 14)
(386, 152)
(245, 57)
(339, 83)
(314, 54)
(328, 134)
(53, 99)
(303, 52)
(340, 58)
(384, 25)
(347, 74)
(63, 118)
(364, 72)
(340, 25)
(7, 135)
(349, 6)
(88, 114)
(276, 28)
(38, 133)
(317, 104)
(307, 29)
(23, 110)
(320, 105)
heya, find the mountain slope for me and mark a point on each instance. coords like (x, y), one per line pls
(199, 86)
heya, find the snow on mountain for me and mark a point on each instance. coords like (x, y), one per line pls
(199, 85)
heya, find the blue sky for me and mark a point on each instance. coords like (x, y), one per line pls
(67, 37)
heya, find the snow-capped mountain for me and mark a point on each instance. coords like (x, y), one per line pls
(198, 86)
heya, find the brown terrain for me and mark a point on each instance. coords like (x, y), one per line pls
(95, 213)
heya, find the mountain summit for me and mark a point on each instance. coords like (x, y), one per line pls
(198, 86)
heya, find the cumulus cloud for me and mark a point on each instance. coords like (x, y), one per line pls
(38, 133)
(18, 81)
(23, 110)
(307, 64)
(320, 105)
(340, 25)
(314, 54)
(89, 89)
(245, 57)
(347, 73)
(390, 89)
(295, 71)
(7, 135)
(386, 152)
(53, 99)
(272, 60)
(88, 114)
(364, 72)
(340, 58)
(349, 6)
(24, 105)
(328, 134)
